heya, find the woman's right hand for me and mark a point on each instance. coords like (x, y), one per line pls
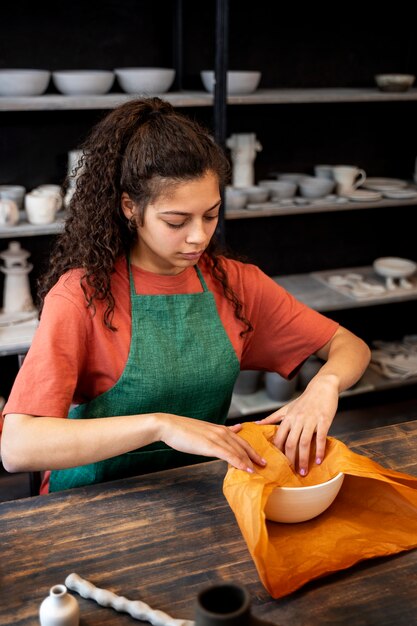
(193, 436)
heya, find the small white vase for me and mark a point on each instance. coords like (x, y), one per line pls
(60, 608)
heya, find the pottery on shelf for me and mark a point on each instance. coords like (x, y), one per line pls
(60, 608)
(247, 382)
(279, 388)
(17, 296)
(244, 147)
(9, 212)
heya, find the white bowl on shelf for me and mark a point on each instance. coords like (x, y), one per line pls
(394, 267)
(238, 83)
(394, 82)
(83, 82)
(23, 82)
(315, 187)
(236, 198)
(145, 80)
(298, 504)
(279, 189)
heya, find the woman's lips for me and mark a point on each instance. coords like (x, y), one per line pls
(191, 256)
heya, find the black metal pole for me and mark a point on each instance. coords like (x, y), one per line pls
(220, 88)
(178, 44)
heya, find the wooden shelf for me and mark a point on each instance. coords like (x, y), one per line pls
(50, 102)
(57, 102)
(319, 296)
(260, 402)
(322, 95)
(24, 229)
(270, 209)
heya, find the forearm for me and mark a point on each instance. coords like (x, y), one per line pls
(347, 357)
(37, 443)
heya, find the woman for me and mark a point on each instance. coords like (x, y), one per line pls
(144, 326)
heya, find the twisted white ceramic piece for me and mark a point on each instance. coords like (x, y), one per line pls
(135, 608)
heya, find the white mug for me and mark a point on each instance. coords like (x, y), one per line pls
(9, 212)
(348, 178)
(51, 190)
(40, 208)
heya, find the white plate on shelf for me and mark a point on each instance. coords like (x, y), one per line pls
(400, 194)
(362, 195)
(384, 184)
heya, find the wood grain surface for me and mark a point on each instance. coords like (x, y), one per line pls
(163, 537)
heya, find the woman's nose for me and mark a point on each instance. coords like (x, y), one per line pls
(196, 233)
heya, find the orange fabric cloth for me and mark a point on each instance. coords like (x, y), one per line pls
(374, 514)
(74, 358)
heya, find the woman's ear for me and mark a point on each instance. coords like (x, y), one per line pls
(127, 205)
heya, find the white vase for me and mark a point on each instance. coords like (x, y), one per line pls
(60, 608)
(244, 147)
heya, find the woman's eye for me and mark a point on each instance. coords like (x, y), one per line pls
(209, 218)
(174, 225)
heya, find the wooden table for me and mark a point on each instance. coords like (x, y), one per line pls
(162, 537)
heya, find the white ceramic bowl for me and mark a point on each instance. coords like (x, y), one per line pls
(394, 267)
(314, 187)
(145, 80)
(238, 83)
(22, 82)
(236, 198)
(293, 177)
(279, 189)
(394, 82)
(256, 194)
(299, 504)
(83, 82)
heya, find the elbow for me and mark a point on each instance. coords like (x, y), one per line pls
(9, 459)
(12, 456)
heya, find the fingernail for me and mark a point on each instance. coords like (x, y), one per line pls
(258, 422)
(263, 461)
(250, 470)
(318, 461)
(303, 472)
(237, 424)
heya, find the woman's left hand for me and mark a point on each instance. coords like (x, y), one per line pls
(311, 413)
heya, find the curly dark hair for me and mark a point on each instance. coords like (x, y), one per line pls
(141, 147)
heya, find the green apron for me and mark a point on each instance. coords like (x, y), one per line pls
(181, 361)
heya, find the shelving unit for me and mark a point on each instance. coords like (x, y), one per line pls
(53, 110)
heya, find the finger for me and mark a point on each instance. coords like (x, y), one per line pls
(321, 440)
(291, 444)
(251, 452)
(274, 418)
(236, 428)
(281, 435)
(304, 445)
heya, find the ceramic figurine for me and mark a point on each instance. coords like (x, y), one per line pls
(59, 608)
(225, 604)
(137, 609)
(244, 147)
(17, 296)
